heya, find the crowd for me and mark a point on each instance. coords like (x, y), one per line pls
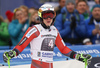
(77, 24)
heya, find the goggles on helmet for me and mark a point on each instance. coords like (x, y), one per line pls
(47, 15)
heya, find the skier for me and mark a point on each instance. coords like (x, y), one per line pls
(42, 38)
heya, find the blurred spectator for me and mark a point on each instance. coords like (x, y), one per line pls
(93, 25)
(88, 10)
(87, 41)
(34, 19)
(18, 26)
(61, 5)
(82, 8)
(76, 1)
(97, 1)
(9, 15)
(31, 10)
(4, 35)
(25, 10)
(70, 24)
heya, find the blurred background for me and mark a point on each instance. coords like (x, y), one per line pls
(12, 4)
(78, 22)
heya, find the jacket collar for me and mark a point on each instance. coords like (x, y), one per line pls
(91, 20)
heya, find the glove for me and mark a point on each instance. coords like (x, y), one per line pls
(73, 23)
(8, 55)
(84, 58)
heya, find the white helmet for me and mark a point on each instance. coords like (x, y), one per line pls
(46, 7)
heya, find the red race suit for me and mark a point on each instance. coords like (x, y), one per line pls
(42, 42)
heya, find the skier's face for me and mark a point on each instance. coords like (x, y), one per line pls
(48, 21)
(48, 18)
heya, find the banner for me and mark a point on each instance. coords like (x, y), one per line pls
(93, 50)
(95, 63)
(25, 56)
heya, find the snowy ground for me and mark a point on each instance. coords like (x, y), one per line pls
(57, 64)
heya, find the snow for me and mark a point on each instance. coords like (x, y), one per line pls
(57, 64)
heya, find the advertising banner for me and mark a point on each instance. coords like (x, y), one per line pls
(25, 56)
(95, 63)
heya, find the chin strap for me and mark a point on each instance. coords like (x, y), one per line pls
(44, 26)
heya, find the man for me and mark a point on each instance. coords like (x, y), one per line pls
(71, 24)
(93, 25)
(82, 8)
(42, 39)
(87, 41)
(97, 1)
(76, 1)
(61, 5)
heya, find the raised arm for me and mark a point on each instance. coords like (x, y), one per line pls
(63, 48)
(30, 34)
(68, 52)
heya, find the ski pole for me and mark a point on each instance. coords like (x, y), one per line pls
(8, 61)
(85, 63)
(85, 60)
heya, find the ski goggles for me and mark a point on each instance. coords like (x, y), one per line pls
(48, 15)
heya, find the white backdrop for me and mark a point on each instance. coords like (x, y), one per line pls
(57, 64)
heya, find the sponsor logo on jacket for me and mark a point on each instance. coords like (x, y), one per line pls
(33, 30)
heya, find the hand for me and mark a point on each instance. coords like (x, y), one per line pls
(22, 20)
(95, 31)
(84, 58)
(73, 22)
(8, 55)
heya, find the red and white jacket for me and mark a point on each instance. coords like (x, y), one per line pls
(42, 42)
